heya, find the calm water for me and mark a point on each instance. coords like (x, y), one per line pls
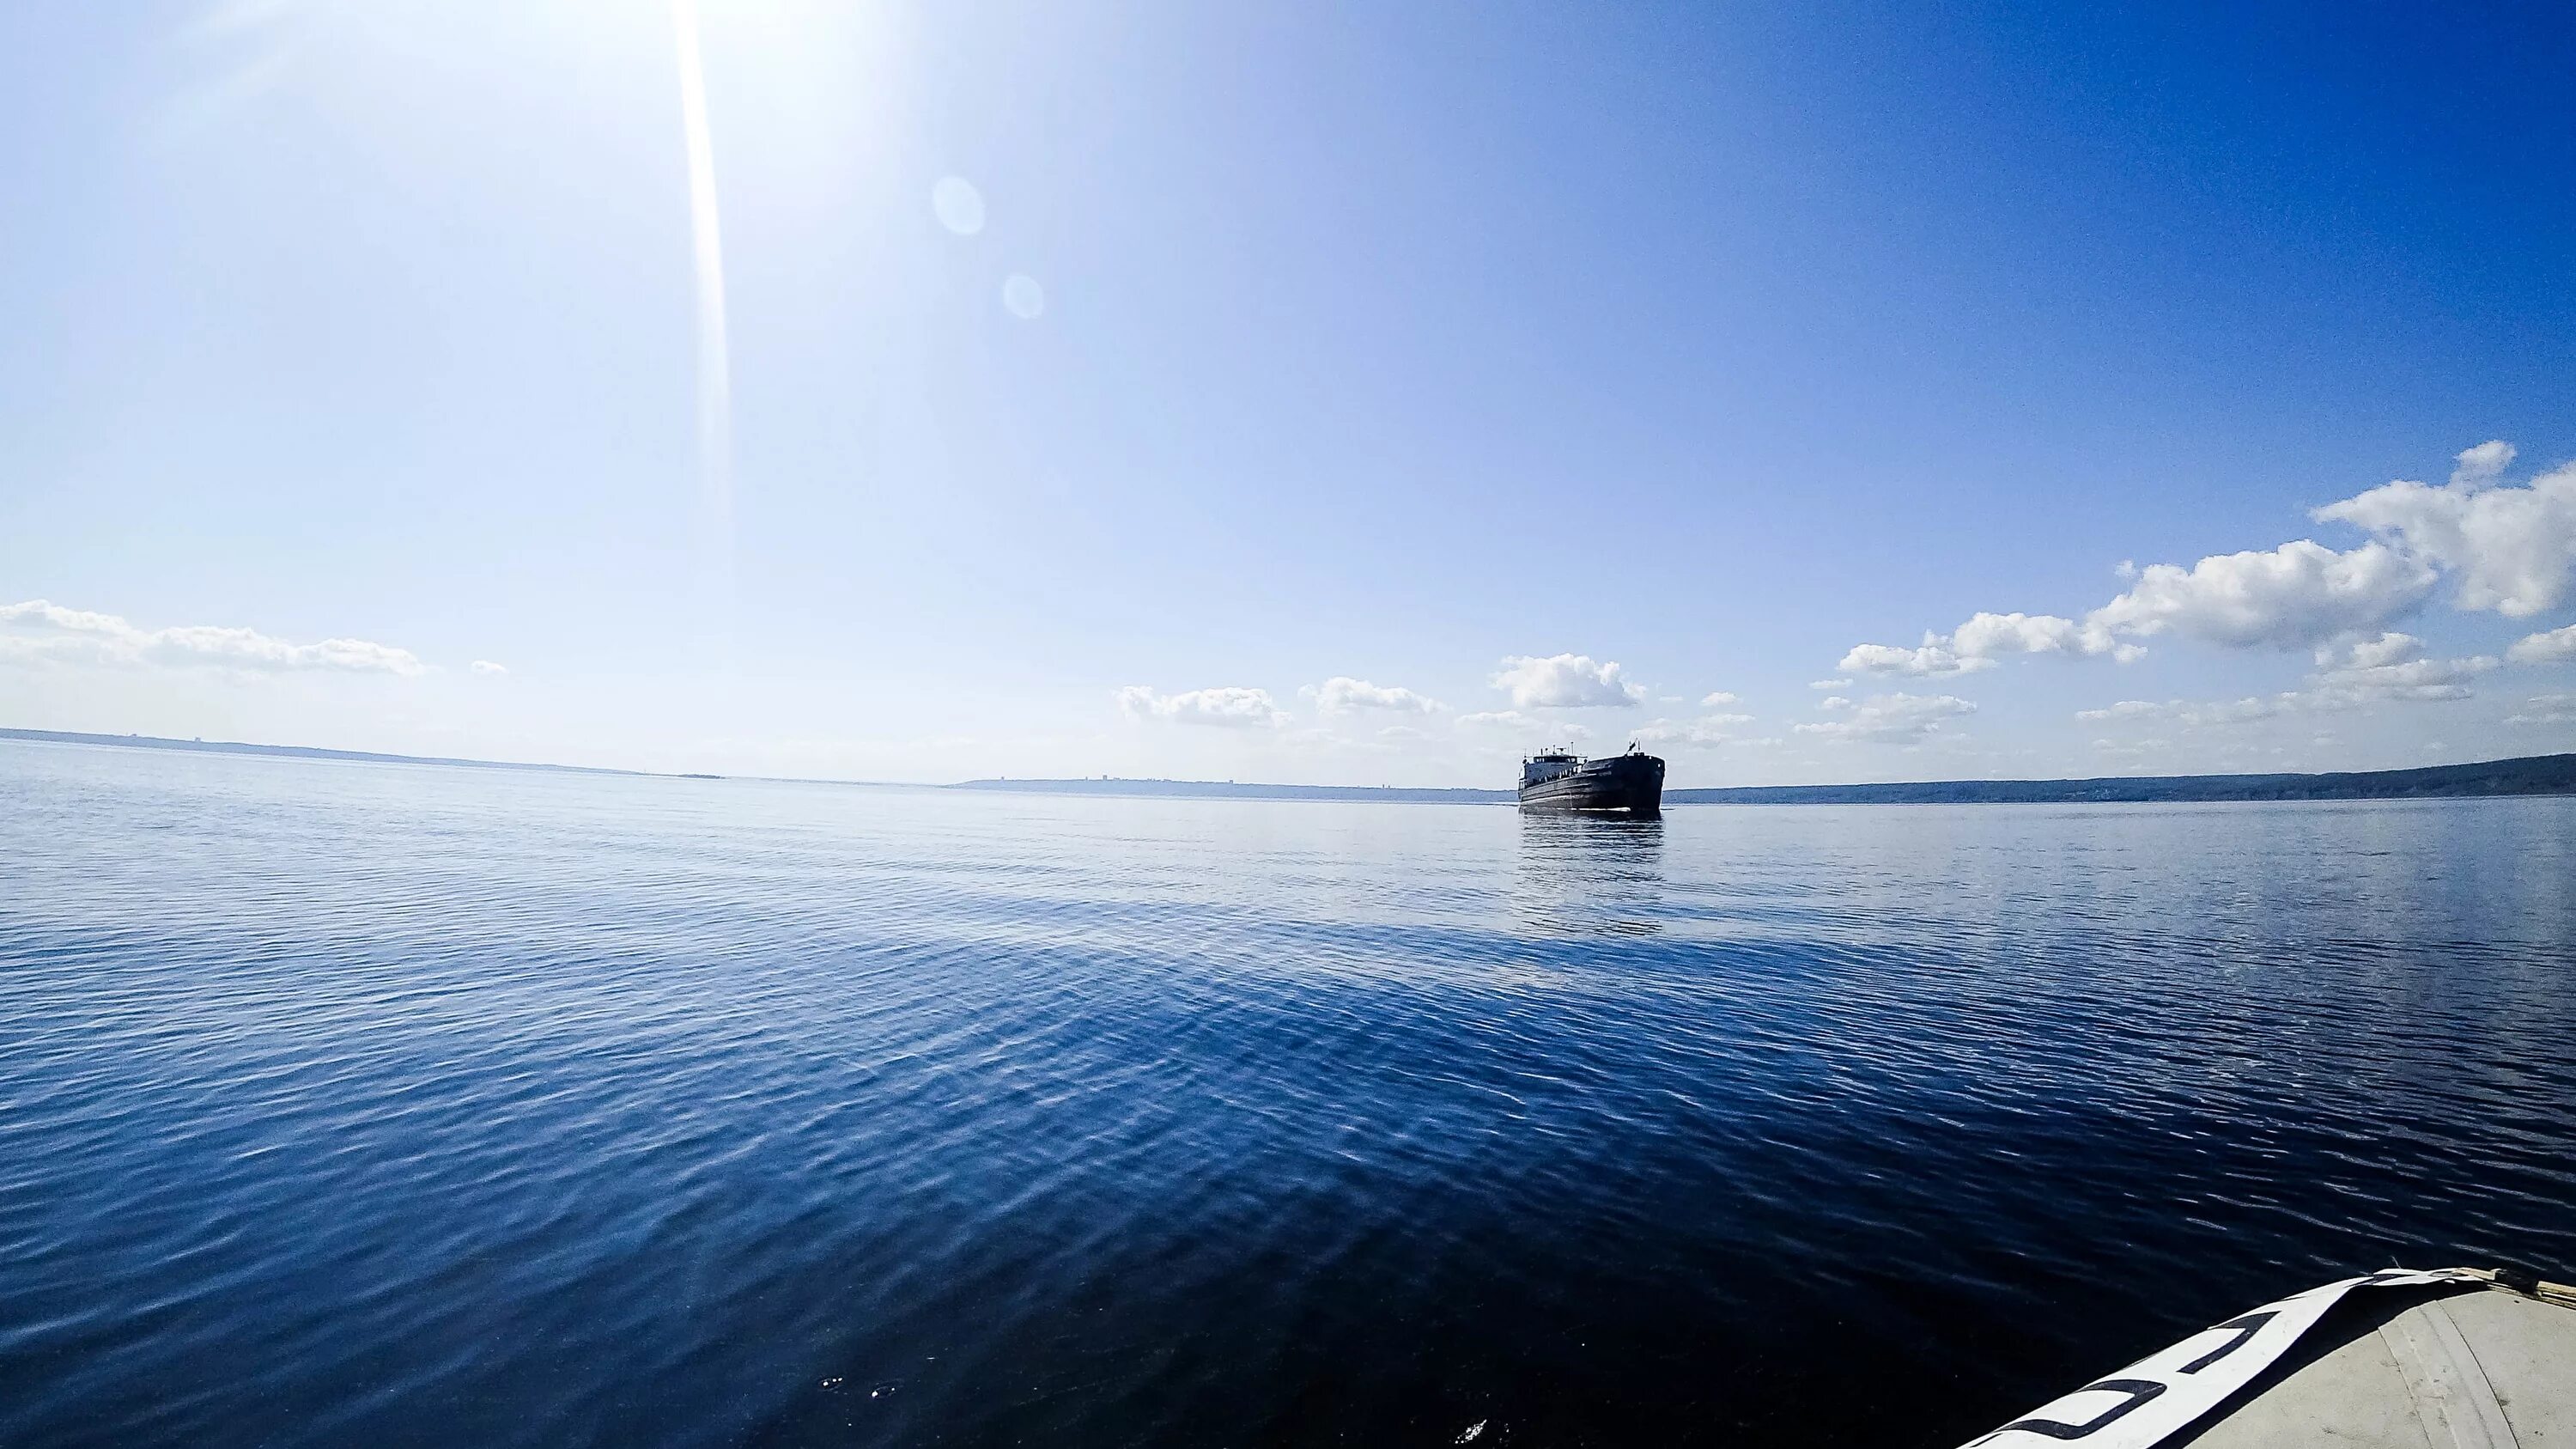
(407, 1105)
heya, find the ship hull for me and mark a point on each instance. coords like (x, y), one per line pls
(1624, 784)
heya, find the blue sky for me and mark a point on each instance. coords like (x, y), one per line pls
(1456, 353)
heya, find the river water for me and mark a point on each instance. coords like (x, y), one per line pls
(346, 1103)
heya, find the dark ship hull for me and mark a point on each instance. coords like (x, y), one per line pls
(1630, 783)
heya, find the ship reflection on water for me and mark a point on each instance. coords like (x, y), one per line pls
(1590, 875)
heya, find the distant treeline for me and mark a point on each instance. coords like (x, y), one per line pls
(2534, 775)
(1229, 790)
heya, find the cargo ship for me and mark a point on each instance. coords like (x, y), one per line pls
(1629, 784)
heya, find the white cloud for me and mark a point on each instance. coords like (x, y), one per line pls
(2393, 666)
(2298, 594)
(1715, 698)
(1888, 718)
(1342, 694)
(2426, 679)
(2374, 652)
(1229, 707)
(2202, 712)
(2287, 597)
(2513, 548)
(2556, 646)
(1565, 681)
(45, 632)
(1935, 657)
(2481, 465)
(1986, 635)
(2352, 675)
(1828, 684)
(486, 666)
(2545, 709)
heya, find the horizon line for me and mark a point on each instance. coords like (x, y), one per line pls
(1005, 782)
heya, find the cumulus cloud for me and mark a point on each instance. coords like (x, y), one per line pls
(1828, 684)
(2393, 666)
(2513, 548)
(1565, 681)
(2545, 709)
(2376, 652)
(486, 666)
(2288, 597)
(1985, 636)
(46, 632)
(2414, 679)
(1888, 718)
(2203, 712)
(2557, 646)
(1342, 694)
(2350, 675)
(2510, 548)
(2479, 466)
(1229, 707)
(1715, 698)
(1934, 657)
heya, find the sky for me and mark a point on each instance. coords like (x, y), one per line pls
(1359, 394)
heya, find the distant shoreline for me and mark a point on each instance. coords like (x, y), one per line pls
(2522, 775)
(2526, 775)
(300, 752)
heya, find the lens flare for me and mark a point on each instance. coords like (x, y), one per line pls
(715, 372)
(959, 206)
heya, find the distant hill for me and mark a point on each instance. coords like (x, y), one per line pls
(2533, 775)
(1229, 790)
(296, 752)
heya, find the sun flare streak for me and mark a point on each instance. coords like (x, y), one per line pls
(715, 372)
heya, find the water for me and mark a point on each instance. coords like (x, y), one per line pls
(416, 1105)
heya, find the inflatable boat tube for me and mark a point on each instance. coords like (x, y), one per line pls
(2445, 1358)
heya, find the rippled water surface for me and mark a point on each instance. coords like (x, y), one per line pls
(414, 1105)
